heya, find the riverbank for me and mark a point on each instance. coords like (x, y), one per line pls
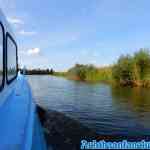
(122, 83)
(87, 73)
(129, 70)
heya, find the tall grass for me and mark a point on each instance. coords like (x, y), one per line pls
(60, 74)
(90, 73)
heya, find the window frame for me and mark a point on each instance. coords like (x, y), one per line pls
(8, 36)
(3, 57)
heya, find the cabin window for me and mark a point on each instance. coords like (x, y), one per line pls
(1, 56)
(11, 59)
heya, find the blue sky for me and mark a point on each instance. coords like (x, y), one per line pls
(60, 33)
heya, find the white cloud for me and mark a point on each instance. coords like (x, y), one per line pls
(27, 33)
(33, 51)
(30, 52)
(14, 20)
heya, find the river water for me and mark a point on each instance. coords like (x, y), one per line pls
(104, 108)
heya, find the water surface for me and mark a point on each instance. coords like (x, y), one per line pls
(106, 109)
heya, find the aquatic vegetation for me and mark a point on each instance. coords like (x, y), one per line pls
(61, 74)
(89, 73)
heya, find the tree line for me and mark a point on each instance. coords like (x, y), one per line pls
(129, 70)
(38, 71)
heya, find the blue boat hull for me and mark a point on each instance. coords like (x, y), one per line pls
(20, 128)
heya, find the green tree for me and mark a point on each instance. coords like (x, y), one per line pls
(142, 60)
(123, 70)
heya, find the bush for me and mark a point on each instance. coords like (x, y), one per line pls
(142, 60)
(123, 70)
(78, 71)
(89, 73)
(135, 69)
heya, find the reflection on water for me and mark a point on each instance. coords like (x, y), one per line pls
(135, 101)
(137, 98)
(106, 109)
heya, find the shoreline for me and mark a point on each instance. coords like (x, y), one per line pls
(131, 83)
